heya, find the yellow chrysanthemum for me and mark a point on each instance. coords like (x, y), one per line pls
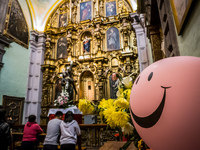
(120, 118)
(105, 103)
(126, 94)
(85, 106)
(109, 111)
(122, 103)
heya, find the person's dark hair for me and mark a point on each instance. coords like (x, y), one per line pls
(69, 116)
(2, 115)
(31, 118)
(58, 113)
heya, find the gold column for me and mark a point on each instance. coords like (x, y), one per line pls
(155, 38)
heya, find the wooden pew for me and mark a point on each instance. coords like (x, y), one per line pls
(17, 136)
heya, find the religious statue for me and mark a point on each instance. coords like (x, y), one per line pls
(69, 36)
(68, 83)
(48, 40)
(114, 81)
(86, 45)
(97, 31)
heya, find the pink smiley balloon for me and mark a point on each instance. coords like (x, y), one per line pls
(165, 104)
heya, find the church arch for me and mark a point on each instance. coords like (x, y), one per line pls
(87, 86)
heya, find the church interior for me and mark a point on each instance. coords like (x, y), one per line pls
(80, 49)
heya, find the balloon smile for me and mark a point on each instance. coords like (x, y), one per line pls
(151, 120)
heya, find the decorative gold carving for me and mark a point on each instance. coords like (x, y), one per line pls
(91, 70)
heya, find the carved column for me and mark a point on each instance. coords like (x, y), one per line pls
(155, 37)
(138, 25)
(4, 41)
(34, 91)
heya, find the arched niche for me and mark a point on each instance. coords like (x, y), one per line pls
(86, 86)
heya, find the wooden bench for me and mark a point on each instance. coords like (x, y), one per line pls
(40, 147)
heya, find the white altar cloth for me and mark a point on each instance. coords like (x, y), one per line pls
(74, 109)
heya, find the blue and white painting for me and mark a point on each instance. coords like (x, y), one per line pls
(113, 42)
(85, 11)
(111, 9)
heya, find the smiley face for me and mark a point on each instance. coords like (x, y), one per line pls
(164, 104)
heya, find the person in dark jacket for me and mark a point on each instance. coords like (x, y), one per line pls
(31, 130)
(69, 132)
(5, 135)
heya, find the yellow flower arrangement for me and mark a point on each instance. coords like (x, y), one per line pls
(85, 106)
(122, 103)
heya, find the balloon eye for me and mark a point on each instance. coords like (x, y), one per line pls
(137, 80)
(150, 76)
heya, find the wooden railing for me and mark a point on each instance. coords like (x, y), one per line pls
(92, 135)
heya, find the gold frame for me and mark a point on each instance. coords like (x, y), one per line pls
(179, 24)
(7, 23)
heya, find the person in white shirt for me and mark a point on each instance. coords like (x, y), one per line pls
(69, 132)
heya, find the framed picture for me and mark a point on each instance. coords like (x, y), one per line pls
(62, 48)
(63, 20)
(111, 9)
(85, 11)
(113, 42)
(180, 10)
(16, 27)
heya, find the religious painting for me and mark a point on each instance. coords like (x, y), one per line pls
(62, 48)
(114, 81)
(113, 42)
(85, 10)
(111, 9)
(180, 10)
(63, 20)
(16, 28)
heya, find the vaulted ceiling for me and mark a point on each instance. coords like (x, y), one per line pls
(40, 11)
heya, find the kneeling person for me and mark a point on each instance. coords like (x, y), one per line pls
(53, 132)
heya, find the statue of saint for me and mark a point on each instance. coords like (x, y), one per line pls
(114, 81)
(86, 45)
(69, 35)
(67, 83)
